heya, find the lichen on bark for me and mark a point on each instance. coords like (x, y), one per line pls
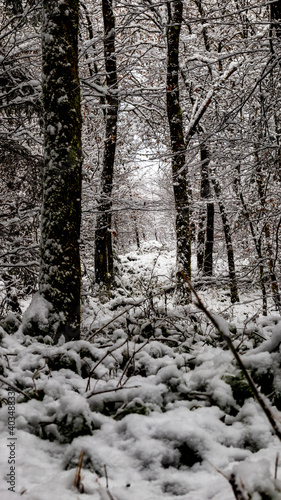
(60, 275)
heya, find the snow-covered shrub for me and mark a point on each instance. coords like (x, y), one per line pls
(35, 319)
(73, 417)
(155, 396)
(254, 481)
(10, 323)
(240, 388)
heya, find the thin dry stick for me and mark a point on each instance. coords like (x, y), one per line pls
(165, 290)
(115, 389)
(130, 360)
(106, 479)
(111, 321)
(106, 476)
(15, 388)
(225, 336)
(232, 481)
(100, 361)
(126, 367)
(78, 478)
(276, 466)
(238, 493)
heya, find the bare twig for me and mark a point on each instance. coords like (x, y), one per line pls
(165, 290)
(223, 329)
(106, 476)
(115, 389)
(106, 479)
(15, 388)
(276, 466)
(238, 493)
(130, 361)
(100, 361)
(233, 483)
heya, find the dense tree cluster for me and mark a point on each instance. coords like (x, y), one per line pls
(180, 108)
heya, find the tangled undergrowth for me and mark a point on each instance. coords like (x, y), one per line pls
(154, 400)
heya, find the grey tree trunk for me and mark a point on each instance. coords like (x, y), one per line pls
(261, 185)
(60, 275)
(205, 238)
(103, 235)
(209, 243)
(234, 297)
(179, 171)
(256, 240)
(275, 13)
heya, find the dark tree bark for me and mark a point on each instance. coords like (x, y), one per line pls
(209, 243)
(275, 12)
(261, 185)
(136, 230)
(204, 194)
(92, 64)
(59, 281)
(179, 169)
(234, 297)
(205, 239)
(103, 235)
(16, 6)
(257, 242)
(201, 239)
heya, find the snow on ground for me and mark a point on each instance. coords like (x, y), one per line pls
(154, 401)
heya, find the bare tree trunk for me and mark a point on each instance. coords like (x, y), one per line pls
(60, 275)
(262, 195)
(273, 278)
(205, 239)
(209, 243)
(257, 242)
(103, 235)
(179, 169)
(275, 13)
(234, 297)
(201, 239)
(204, 194)
(136, 230)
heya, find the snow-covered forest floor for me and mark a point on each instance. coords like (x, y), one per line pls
(154, 403)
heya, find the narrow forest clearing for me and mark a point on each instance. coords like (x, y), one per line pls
(154, 402)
